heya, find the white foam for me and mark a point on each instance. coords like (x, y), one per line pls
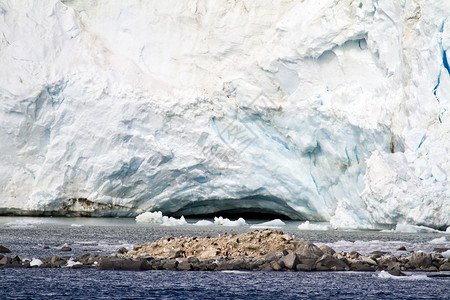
(277, 223)
(36, 262)
(150, 217)
(309, 226)
(447, 230)
(386, 275)
(414, 228)
(446, 254)
(227, 222)
(441, 240)
(203, 223)
(76, 225)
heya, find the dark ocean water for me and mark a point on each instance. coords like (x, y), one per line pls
(76, 284)
(34, 238)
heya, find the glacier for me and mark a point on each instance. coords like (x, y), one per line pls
(322, 110)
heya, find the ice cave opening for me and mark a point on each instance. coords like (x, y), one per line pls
(251, 207)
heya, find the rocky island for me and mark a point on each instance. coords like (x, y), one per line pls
(258, 250)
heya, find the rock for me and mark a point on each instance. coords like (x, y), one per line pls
(122, 250)
(3, 249)
(5, 260)
(211, 266)
(265, 267)
(290, 261)
(305, 267)
(53, 259)
(368, 260)
(65, 248)
(445, 266)
(396, 272)
(308, 250)
(169, 264)
(173, 253)
(361, 266)
(354, 254)
(402, 248)
(16, 259)
(193, 260)
(59, 263)
(327, 249)
(114, 263)
(377, 254)
(331, 263)
(275, 266)
(420, 260)
(184, 266)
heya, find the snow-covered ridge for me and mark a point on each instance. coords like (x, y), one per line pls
(317, 110)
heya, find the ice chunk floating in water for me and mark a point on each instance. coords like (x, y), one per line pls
(321, 111)
(277, 223)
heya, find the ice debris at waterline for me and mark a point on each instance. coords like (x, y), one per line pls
(158, 218)
(277, 223)
(309, 226)
(332, 111)
(265, 250)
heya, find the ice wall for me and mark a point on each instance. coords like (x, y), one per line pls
(317, 110)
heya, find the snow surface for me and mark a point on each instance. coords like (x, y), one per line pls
(317, 110)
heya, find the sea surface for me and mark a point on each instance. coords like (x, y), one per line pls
(43, 237)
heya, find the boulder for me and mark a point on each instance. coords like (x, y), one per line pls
(402, 248)
(308, 250)
(331, 263)
(184, 266)
(275, 266)
(66, 248)
(3, 249)
(362, 266)
(114, 263)
(396, 272)
(327, 249)
(445, 266)
(377, 254)
(122, 250)
(290, 261)
(173, 253)
(5, 260)
(305, 267)
(169, 264)
(421, 260)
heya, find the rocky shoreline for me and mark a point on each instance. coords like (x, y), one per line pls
(259, 250)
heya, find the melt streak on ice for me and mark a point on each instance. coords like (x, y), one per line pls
(320, 110)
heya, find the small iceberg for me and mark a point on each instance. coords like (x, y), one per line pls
(309, 226)
(35, 262)
(228, 222)
(171, 221)
(204, 223)
(150, 217)
(277, 223)
(158, 218)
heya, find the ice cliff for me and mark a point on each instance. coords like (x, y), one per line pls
(320, 110)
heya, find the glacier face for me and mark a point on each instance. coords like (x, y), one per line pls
(316, 110)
